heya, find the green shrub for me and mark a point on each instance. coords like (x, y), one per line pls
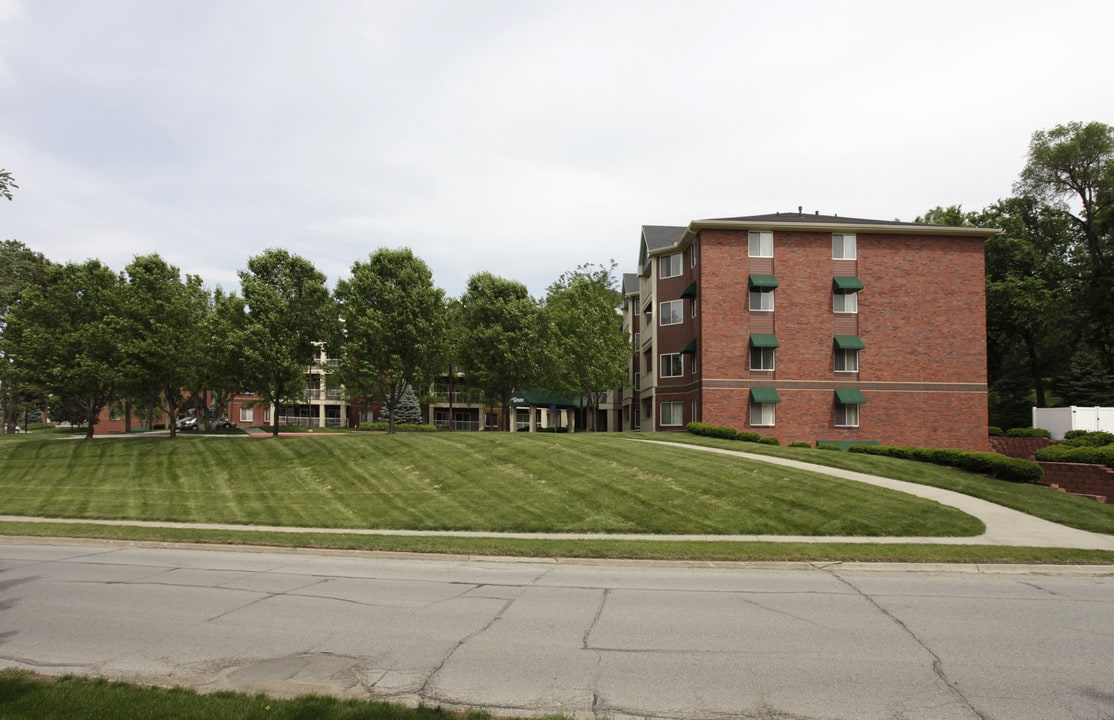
(984, 463)
(1085, 438)
(749, 436)
(828, 446)
(770, 441)
(1083, 454)
(401, 427)
(995, 431)
(553, 430)
(708, 430)
(1028, 432)
(800, 444)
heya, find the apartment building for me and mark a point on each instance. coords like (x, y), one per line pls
(811, 327)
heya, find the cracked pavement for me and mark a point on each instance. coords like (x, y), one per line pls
(614, 639)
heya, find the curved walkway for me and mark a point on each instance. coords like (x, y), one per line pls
(1003, 525)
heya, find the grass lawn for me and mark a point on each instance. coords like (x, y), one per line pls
(510, 482)
(23, 695)
(1036, 500)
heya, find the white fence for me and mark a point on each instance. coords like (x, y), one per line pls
(1060, 420)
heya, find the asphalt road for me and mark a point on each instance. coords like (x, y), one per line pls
(614, 639)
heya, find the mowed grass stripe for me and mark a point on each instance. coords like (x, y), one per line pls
(490, 481)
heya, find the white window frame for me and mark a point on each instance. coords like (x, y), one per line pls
(667, 313)
(847, 415)
(693, 410)
(845, 302)
(692, 256)
(844, 246)
(760, 352)
(760, 243)
(670, 266)
(764, 297)
(850, 360)
(676, 414)
(247, 414)
(672, 362)
(762, 414)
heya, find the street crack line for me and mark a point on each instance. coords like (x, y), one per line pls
(424, 689)
(937, 662)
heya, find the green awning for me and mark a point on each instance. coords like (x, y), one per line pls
(847, 284)
(690, 348)
(849, 396)
(761, 340)
(764, 395)
(849, 342)
(689, 292)
(544, 398)
(763, 281)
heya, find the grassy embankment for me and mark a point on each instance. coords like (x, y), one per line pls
(600, 484)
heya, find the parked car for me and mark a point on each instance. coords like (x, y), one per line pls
(225, 423)
(187, 423)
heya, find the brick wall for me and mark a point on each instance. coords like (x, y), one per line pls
(1019, 447)
(921, 317)
(1080, 479)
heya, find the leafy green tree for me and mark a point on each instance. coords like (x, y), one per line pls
(64, 338)
(587, 346)
(222, 369)
(289, 312)
(1086, 383)
(1071, 167)
(7, 183)
(953, 216)
(20, 270)
(394, 324)
(502, 333)
(163, 315)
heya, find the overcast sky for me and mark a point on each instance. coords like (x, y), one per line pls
(521, 137)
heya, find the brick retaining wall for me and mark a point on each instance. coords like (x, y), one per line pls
(1019, 447)
(1080, 479)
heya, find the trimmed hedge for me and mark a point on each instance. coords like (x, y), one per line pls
(800, 444)
(1084, 454)
(985, 463)
(1087, 438)
(995, 431)
(729, 433)
(1028, 432)
(401, 427)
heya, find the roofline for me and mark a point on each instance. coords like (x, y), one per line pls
(696, 226)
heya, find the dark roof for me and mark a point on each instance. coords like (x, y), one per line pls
(630, 284)
(789, 217)
(661, 236)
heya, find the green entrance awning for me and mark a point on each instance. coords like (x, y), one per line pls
(849, 342)
(544, 398)
(847, 284)
(849, 396)
(690, 348)
(764, 395)
(689, 292)
(761, 340)
(763, 281)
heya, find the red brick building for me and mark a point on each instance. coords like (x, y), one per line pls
(812, 327)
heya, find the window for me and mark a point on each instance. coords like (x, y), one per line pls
(845, 302)
(762, 358)
(846, 360)
(672, 413)
(672, 312)
(669, 266)
(843, 247)
(762, 414)
(692, 256)
(761, 298)
(247, 414)
(846, 415)
(638, 381)
(672, 365)
(760, 244)
(637, 340)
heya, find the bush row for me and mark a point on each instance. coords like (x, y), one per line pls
(729, 433)
(401, 427)
(1087, 438)
(1081, 454)
(995, 431)
(986, 463)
